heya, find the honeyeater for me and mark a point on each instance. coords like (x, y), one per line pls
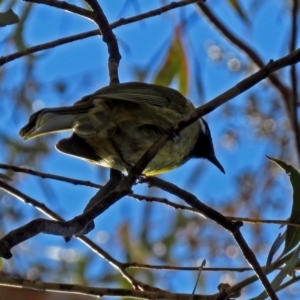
(117, 124)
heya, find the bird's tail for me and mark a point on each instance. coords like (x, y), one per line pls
(50, 120)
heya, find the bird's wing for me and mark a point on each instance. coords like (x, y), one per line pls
(138, 92)
(76, 146)
(95, 111)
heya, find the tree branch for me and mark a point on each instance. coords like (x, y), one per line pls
(99, 292)
(84, 35)
(109, 38)
(283, 90)
(65, 6)
(277, 84)
(293, 101)
(50, 176)
(98, 16)
(139, 197)
(98, 250)
(231, 226)
(231, 93)
(73, 226)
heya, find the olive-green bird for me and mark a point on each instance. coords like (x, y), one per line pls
(117, 124)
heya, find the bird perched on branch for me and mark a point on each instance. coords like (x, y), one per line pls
(117, 124)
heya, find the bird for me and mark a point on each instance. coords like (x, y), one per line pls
(117, 124)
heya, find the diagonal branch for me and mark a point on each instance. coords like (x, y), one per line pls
(127, 182)
(277, 83)
(84, 35)
(50, 176)
(283, 90)
(231, 226)
(52, 215)
(49, 45)
(231, 93)
(293, 101)
(109, 38)
(98, 16)
(242, 86)
(65, 6)
(100, 292)
(139, 197)
(73, 226)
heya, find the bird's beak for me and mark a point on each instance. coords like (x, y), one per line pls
(212, 158)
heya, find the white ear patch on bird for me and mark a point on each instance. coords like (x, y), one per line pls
(204, 127)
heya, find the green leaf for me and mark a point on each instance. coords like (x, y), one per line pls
(287, 269)
(276, 245)
(235, 4)
(4, 177)
(18, 34)
(8, 18)
(174, 66)
(292, 233)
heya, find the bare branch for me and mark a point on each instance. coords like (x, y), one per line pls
(62, 228)
(84, 35)
(233, 227)
(293, 101)
(49, 45)
(135, 265)
(288, 283)
(275, 265)
(109, 38)
(139, 197)
(98, 292)
(93, 246)
(284, 91)
(73, 226)
(65, 6)
(50, 176)
(191, 209)
(241, 87)
(277, 83)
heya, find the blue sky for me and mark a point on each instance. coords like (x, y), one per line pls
(82, 66)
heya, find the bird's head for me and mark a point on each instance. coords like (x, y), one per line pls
(204, 147)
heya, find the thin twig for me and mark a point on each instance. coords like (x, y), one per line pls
(274, 266)
(135, 265)
(49, 45)
(293, 101)
(84, 35)
(138, 196)
(96, 291)
(233, 227)
(109, 38)
(98, 16)
(241, 87)
(76, 224)
(284, 91)
(65, 6)
(191, 209)
(288, 283)
(50, 176)
(93, 246)
(277, 83)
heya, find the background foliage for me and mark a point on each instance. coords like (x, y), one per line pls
(187, 50)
